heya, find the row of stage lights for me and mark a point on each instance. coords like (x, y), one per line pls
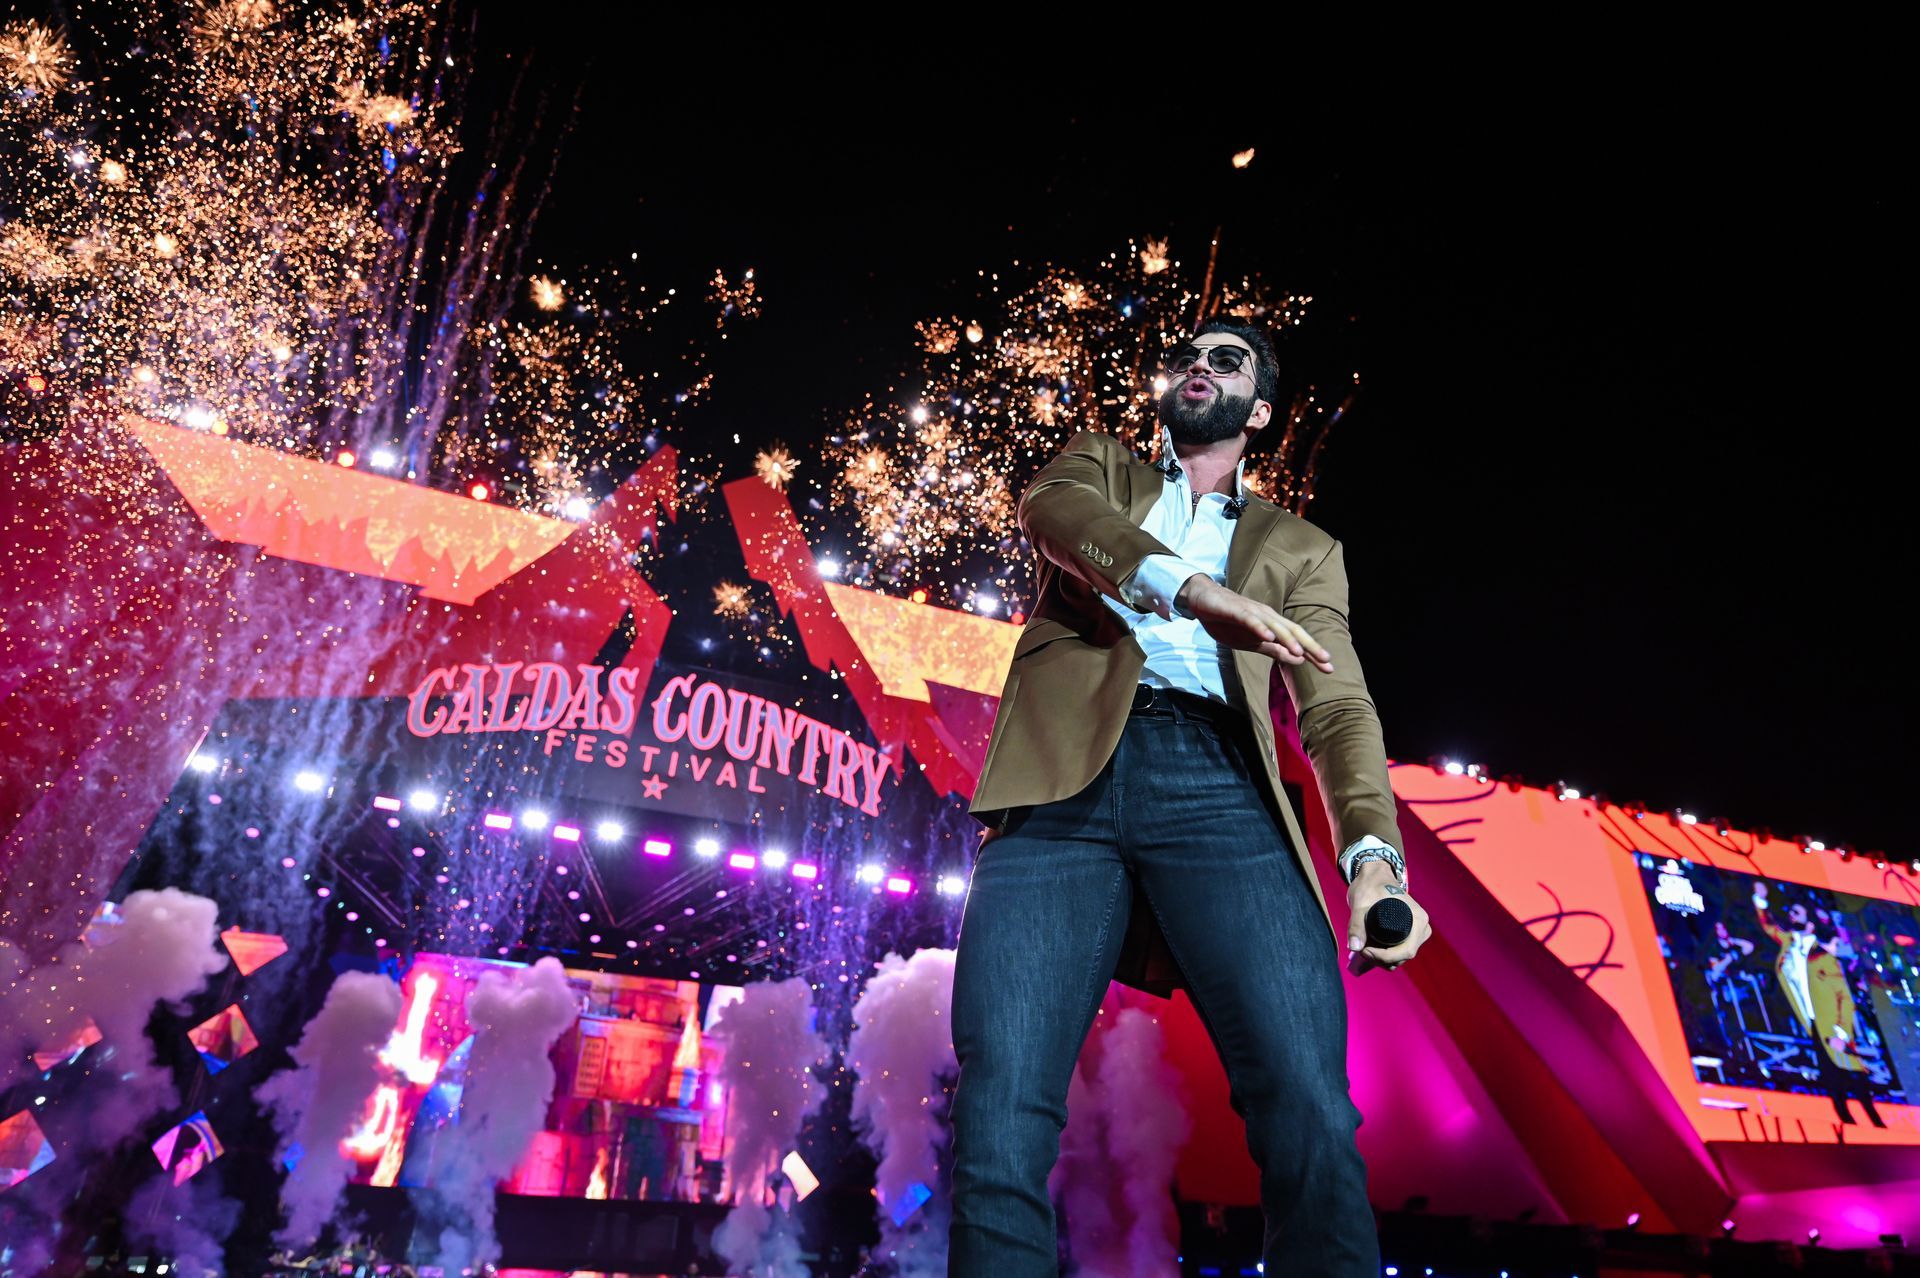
(1719, 825)
(427, 802)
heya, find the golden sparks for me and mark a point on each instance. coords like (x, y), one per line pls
(776, 466)
(930, 468)
(730, 600)
(34, 58)
(546, 293)
(1241, 159)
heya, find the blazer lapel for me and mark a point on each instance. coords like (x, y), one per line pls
(1142, 485)
(1250, 533)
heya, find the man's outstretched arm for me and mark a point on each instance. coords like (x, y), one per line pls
(1339, 726)
(1071, 518)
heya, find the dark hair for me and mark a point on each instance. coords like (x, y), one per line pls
(1266, 366)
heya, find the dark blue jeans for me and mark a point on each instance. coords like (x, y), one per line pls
(1174, 823)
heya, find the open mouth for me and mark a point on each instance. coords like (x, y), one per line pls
(1197, 388)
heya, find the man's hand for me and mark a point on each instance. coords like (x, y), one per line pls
(1371, 882)
(1239, 622)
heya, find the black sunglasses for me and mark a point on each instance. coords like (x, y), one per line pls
(1220, 359)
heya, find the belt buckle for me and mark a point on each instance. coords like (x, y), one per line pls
(1144, 696)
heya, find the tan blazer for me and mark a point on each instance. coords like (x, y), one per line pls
(1076, 664)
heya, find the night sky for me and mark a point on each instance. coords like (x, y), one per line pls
(1618, 494)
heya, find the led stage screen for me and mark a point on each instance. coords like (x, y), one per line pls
(638, 1111)
(1788, 987)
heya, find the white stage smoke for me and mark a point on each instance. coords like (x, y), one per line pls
(163, 948)
(902, 1049)
(1126, 1125)
(186, 1223)
(316, 1105)
(771, 1049)
(516, 1017)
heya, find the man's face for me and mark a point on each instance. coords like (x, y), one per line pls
(1201, 406)
(1797, 914)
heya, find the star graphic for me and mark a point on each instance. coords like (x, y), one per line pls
(654, 787)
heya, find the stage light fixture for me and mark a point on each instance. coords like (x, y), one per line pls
(899, 885)
(1633, 1220)
(309, 782)
(951, 885)
(608, 831)
(805, 870)
(386, 803)
(571, 833)
(577, 508)
(1727, 1226)
(497, 821)
(1452, 768)
(423, 801)
(870, 874)
(773, 858)
(1687, 818)
(202, 762)
(657, 847)
(707, 847)
(534, 819)
(1815, 845)
(742, 861)
(1813, 1237)
(829, 567)
(383, 459)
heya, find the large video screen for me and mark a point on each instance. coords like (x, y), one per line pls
(638, 1110)
(1788, 987)
(1771, 983)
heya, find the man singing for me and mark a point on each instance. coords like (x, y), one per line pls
(1137, 829)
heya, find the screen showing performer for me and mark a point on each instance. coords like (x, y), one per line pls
(1789, 987)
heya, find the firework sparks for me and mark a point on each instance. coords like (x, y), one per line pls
(273, 250)
(776, 466)
(547, 293)
(730, 600)
(931, 469)
(33, 58)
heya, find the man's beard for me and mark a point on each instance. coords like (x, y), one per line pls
(1206, 421)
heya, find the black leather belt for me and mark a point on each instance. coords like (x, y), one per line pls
(1150, 699)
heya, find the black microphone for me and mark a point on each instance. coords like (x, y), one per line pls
(1389, 922)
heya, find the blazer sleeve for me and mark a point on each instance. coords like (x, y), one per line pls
(1339, 726)
(1069, 515)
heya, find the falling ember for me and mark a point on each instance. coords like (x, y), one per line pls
(112, 172)
(1241, 159)
(776, 466)
(1153, 258)
(34, 58)
(547, 293)
(975, 332)
(164, 245)
(730, 600)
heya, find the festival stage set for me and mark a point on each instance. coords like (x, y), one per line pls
(469, 889)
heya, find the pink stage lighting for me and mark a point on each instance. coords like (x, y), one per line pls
(900, 885)
(742, 860)
(657, 847)
(386, 803)
(805, 870)
(571, 833)
(498, 821)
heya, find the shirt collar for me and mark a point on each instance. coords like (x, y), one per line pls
(1168, 455)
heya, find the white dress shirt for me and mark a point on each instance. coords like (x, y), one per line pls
(1180, 653)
